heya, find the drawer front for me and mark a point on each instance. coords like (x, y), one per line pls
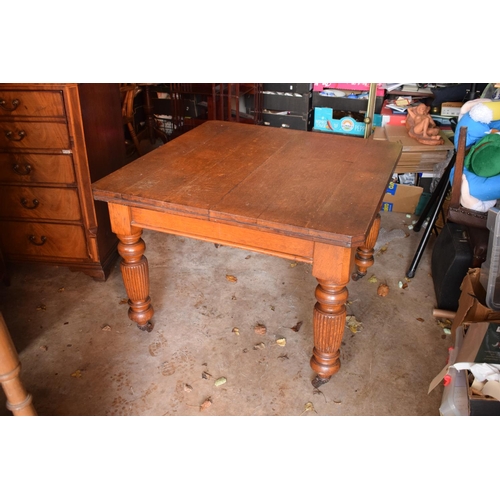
(33, 168)
(31, 103)
(36, 135)
(39, 203)
(42, 239)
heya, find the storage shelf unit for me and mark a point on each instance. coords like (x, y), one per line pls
(287, 105)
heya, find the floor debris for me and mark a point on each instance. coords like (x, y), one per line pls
(353, 324)
(220, 381)
(308, 407)
(206, 404)
(260, 329)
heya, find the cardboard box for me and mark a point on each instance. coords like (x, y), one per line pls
(477, 348)
(324, 122)
(401, 198)
(417, 157)
(363, 87)
(389, 117)
(451, 108)
(472, 303)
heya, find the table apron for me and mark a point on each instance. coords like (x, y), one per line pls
(225, 234)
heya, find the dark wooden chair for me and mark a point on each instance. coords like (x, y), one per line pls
(474, 221)
(128, 93)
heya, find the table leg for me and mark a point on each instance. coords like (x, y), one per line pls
(134, 265)
(364, 254)
(331, 267)
(135, 272)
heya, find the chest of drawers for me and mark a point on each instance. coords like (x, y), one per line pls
(55, 140)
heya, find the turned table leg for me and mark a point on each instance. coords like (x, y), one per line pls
(19, 401)
(331, 267)
(364, 254)
(134, 266)
(135, 272)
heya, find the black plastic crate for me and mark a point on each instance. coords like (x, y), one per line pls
(299, 88)
(296, 122)
(297, 105)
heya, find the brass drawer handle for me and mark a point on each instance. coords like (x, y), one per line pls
(24, 203)
(21, 135)
(15, 104)
(32, 238)
(26, 169)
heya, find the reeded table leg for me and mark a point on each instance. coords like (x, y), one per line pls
(135, 272)
(331, 267)
(134, 266)
(364, 255)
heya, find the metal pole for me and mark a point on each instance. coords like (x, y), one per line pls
(370, 110)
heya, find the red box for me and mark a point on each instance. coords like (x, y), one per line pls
(318, 87)
(389, 117)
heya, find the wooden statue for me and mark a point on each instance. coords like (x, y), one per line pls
(422, 127)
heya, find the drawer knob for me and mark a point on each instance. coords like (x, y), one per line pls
(32, 238)
(24, 170)
(20, 135)
(15, 103)
(24, 203)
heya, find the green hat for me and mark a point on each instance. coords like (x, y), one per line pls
(483, 158)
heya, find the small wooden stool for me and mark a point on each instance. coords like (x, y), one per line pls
(19, 402)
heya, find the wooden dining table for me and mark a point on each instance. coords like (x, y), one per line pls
(302, 195)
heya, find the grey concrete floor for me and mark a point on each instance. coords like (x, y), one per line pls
(81, 355)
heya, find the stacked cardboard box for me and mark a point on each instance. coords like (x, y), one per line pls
(416, 157)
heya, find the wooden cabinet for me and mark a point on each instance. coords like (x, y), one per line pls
(55, 140)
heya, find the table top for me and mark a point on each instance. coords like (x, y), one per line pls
(310, 185)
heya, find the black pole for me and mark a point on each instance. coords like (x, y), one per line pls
(435, 194)
(435, 203)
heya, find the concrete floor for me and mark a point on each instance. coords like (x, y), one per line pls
(81, 355)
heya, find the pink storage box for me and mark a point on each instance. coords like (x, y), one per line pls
(318, 87)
